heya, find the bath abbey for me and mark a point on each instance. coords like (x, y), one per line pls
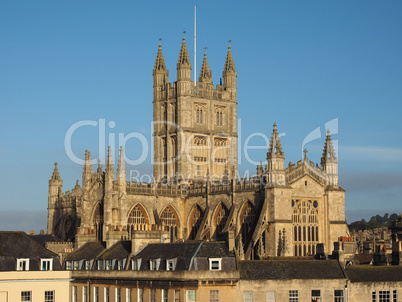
(195, 194)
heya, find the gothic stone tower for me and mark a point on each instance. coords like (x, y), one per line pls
(195, 127)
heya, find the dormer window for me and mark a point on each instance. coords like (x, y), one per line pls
(100, 265)
(171, 264)
(120, 264)
(68, 265)
(23, 264)
(76, 265)
(108, 265)
(215, 264)
(135, 264)
(154, 264)
(87, 265)
(46, 264)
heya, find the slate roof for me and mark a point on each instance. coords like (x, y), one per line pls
(119, 250)
(20, 245)
(362, 258)
(214, 249)
(290, 269)
(168, 250)
(184, 252)
(89, 250)
(370, 273)
(14, 245)
(43, 239)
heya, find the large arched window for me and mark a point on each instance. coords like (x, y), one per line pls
(248, 218)
(195, 221)
(169, 217)
(221, 216)
(98, 221)
(137, 216)
(305, 226)
(137, 219)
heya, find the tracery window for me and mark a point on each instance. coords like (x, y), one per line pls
(219, 115)
(137, 216)
(169, 217)
(195, 221)
(247, 221)
(305, 227)
(200, 113)
(98, 221)
(221, 217)
(137, 219)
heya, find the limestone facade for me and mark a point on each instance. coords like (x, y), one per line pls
(282, 211)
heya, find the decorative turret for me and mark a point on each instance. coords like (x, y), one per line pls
(55, 175)
(160, 74)
(121, 169)
(109, 172)
(87, 173)
(230, 75)
(205, 74)
(275, 160)
(55, 187)
(99, 170)
(121, 172)
(183, 71)
(329, 162)
(109, 162)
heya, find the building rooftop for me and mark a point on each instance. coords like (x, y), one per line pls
(369, 273)
(290, 269)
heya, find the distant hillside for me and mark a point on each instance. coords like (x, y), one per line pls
(374, 222)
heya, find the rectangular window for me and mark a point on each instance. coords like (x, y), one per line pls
(108, 265)
(248, 296)
(152, 295)
(87, 265)
(76, 265)
(128, 294)
(214, 295)
(120, 265)
(96, 294)
(316, 295)
(106, 294)
(140, 295)
(293, 295)
(374, 296)
(134, 266)
(49, 296)
(46, 264)
(26, 296)
(170, 265)
(384, 296)
(68, 265)
(23, 264)
(338, 295)
(84, 294)
(74, 294)
(270, 296)
(153, 265)
(164, 295)
(395, 295)
(215, 264)
(177, 295)
(190, 295)
(118, 294)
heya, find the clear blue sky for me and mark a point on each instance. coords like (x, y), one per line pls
(300, 64)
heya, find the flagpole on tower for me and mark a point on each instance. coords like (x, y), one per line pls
(195, 44)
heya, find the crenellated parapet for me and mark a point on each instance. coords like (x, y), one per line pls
(294, 172)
